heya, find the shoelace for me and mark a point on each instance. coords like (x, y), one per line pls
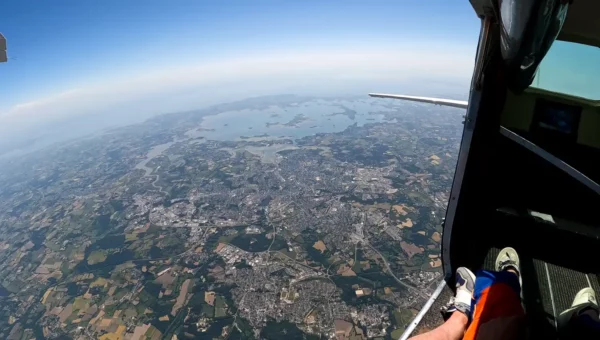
(504, 264)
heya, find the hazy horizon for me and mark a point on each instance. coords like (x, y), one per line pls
(78, 68)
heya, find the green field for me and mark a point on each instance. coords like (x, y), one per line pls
(97, 256)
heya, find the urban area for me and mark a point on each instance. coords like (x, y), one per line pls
(279, 217)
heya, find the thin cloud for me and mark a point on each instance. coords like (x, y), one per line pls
(168, 90)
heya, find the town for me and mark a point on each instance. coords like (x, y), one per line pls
(160, 231)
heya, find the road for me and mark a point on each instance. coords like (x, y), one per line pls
(414, 289)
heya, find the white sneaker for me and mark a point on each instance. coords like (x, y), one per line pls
(508, 258)
(585, 298)
(465, 285)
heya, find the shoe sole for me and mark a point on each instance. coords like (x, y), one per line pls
(468, 276)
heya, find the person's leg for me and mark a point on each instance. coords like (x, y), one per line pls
(452, 329)
(497, 310)
(459, 309)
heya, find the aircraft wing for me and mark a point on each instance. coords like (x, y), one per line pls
(463, 104)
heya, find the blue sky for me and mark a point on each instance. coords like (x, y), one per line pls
(77, 58)
(571, 68)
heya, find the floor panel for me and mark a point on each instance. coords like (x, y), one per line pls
(548, 289)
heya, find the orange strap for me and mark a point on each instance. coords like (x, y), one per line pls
(497, 315)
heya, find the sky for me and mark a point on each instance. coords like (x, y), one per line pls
(78, 66)
(570, 68)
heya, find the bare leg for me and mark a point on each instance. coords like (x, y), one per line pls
(455, 326)
(453, 329)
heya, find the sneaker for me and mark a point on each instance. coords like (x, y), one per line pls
(585, 298)
(509, 259)
(465, 284)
